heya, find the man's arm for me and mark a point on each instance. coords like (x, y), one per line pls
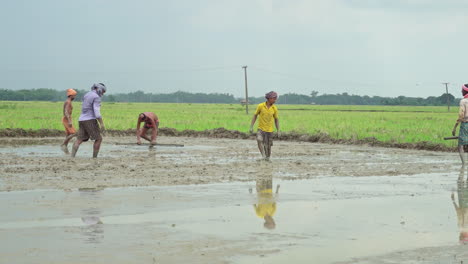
(101, 124)
(97, 113)
(138, 130)
(277, 127)
(66, 112)
(461, 116)
(252, 123)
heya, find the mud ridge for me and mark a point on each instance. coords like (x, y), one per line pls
(234, 134)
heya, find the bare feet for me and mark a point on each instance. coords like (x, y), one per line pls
(64, 149)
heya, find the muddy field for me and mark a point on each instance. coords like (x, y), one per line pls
(201, 160)
(206, 165)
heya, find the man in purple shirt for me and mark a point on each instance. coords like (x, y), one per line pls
(89, 118)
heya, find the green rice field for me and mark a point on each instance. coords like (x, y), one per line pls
(401, 124)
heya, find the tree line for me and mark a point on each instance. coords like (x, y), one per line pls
(46, 94)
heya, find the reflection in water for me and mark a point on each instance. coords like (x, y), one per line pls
(94, 229)
(462, 207)
(152, 151)
(265, 207)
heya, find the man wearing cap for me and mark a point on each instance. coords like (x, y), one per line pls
(70, 131)
(89, 118)
(268, 116)
(463, 120)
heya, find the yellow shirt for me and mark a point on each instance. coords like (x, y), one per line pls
(267, 116)
(266, 204)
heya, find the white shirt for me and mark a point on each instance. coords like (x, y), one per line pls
(463, 111)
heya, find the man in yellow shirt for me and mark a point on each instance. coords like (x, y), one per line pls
(268, 113)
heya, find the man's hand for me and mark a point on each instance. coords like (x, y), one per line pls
(251, 130)
(70, 125)
(278, 134)
(454, 131)
(103, 129)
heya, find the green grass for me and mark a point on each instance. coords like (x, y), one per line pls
(386, 123)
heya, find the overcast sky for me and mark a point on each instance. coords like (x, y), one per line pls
(363, 47)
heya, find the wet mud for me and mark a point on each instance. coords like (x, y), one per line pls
(234, 134)
(38, 163)
(205, 202)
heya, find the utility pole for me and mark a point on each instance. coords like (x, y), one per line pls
(446, 93)
(246, 91)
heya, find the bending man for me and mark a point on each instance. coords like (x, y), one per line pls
(151, 122)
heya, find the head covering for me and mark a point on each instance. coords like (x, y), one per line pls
(99, 87)
(465, 87)
(271, 95)
(71, 92)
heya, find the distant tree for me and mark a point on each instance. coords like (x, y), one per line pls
(443, 98)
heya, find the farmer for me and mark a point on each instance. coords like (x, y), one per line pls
(268, 115)
(70, 131)
(463, 119)
(265, 207)
(89, 118)
(151, 122)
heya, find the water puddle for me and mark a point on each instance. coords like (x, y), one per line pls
(323, 220)
(107, 150)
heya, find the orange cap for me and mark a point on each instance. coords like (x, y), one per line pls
(71, 92)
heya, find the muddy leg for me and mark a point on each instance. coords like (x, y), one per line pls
(267, 148)
(261, 147)
(461, 151)
(96, 147)
(64, 145)
(260, 143)
(75, 147)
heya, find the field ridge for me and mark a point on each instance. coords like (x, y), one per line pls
(235, 134)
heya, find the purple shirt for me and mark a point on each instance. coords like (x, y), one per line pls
(91, 106)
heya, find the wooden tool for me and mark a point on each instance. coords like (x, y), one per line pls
(157, 144)
(449, 138)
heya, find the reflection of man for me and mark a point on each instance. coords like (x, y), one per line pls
(462, 207)
(266, 201)
(93, 231)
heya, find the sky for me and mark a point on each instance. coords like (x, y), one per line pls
(364, 47)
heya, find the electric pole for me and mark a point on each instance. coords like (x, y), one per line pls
(446, 94)
(246, 91)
